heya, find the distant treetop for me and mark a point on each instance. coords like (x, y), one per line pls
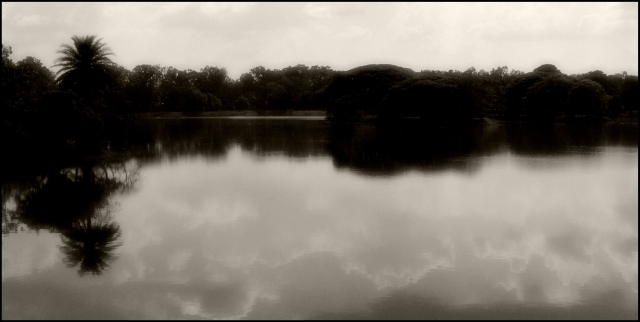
(547, 68)
(382, 67)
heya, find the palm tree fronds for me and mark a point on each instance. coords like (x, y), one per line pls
(86, 58)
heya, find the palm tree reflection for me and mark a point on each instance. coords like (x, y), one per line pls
(90, 244)
(76, 203)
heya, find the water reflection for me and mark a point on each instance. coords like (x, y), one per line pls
(297, 237)
(386, 150)
(378, 150)
(90, 246)
(74, 202)
(313, 220)
(402, 305)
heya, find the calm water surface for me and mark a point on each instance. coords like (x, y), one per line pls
(272, 218)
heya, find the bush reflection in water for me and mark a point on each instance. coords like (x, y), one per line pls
(74, 202)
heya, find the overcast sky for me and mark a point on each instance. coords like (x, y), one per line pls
(576, 37)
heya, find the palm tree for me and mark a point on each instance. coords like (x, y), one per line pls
(84, 67)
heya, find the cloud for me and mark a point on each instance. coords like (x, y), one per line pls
(173, 8)
(350, 8)
(318, 11)
(355, 32)
(539, 22)
(6, 9)
(414, 22)
(216, 7)
(611, 21)
(30, 20)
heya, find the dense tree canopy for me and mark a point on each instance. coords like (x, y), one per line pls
(547, 68)
(546, 99)
(94, 100)
(587, 98)
(425, 97)
(360, 90)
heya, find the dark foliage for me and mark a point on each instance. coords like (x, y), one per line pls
(629, 93)
(85, 66)
(73, 202)
(587, 98)
(94, 103)
(83, 111)
(359, 91)
(546, 99)
(547, 69)
(453, 97)
(427, 98)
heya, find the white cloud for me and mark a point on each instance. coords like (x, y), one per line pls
(414, 22)
(318, 11)
(355, 32)
(6, 9)
(610, 21)
(298, 37)
(216, 7)
(172, 8)
(30, 20)
(351, 8)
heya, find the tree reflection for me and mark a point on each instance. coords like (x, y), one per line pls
(90, 245)
(387, 148)
(76, 203)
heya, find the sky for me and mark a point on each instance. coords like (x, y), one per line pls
(575, 37)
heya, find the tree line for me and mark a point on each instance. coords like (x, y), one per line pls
(545, 94)
(93, 99)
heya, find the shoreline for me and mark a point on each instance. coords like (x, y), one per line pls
(487, 121)
(231, 113)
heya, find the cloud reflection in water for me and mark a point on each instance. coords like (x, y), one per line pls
(276, 237)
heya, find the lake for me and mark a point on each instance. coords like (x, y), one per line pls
(300, 218)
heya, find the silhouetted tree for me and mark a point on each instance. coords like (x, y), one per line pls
(499, 72)
(516, 98)
(547, 68)
(193, 102)
(211, 80)
(6, 52)
(144, 86)
(431, 98)
(629, 93)
(547, 99)
(37, 76)
(241, 104)
(587, 98)
(84, 66)
(360, 91)
(213, 103)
